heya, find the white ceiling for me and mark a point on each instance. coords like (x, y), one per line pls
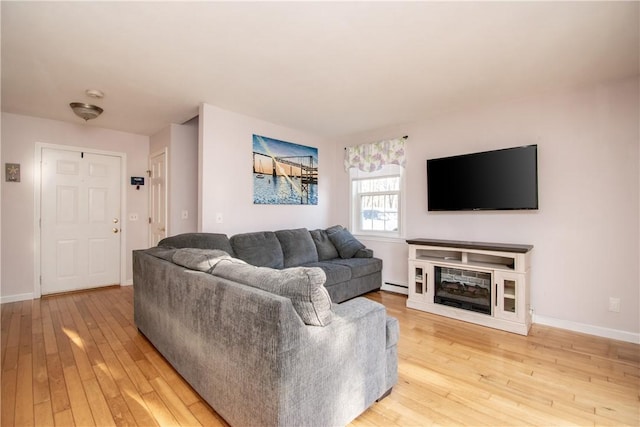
(328, 68)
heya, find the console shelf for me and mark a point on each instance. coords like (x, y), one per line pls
(478, 282)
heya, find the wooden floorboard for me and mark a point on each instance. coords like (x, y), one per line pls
(78, 359)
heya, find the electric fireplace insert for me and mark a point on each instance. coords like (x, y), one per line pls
(466, 289)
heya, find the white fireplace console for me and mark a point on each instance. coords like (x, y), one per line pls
(482, 283)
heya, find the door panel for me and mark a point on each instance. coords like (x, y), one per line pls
(158, 198)
(67, 204)
(80, 210)
(67, 253)
(97, 254)
(98, 209)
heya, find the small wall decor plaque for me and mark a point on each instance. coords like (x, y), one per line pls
(12, 172)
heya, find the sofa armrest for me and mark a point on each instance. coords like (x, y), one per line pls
(364, 253)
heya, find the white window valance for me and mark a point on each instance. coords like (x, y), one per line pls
(372, 157)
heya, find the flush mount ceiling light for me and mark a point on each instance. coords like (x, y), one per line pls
(86, 111)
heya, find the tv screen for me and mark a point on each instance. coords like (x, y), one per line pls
(491, 180)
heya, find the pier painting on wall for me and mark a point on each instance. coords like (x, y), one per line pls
(284, 173)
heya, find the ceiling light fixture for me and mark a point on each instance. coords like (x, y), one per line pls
(86, 111)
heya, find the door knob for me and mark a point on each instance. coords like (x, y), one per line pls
(115, 230)
(115, 220)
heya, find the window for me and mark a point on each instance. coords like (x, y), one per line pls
(377, 186)
(376, 201)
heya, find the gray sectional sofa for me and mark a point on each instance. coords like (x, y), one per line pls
(266, 346)
(350, 268)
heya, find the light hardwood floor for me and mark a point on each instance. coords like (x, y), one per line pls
(77, 359)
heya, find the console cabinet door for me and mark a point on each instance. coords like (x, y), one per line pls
(509, 302)
(420, 281)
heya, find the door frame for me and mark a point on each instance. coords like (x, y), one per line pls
(164, 151)
(37, 192)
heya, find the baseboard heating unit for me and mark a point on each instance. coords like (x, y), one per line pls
(395, 287)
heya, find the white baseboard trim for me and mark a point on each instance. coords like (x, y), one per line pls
(16, 298)
(398, 289)
(588, 329)
(25, 297)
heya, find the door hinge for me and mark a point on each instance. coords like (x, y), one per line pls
(40, 280)
(149, 173)
(149, 220)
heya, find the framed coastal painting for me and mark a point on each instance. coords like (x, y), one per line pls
(284, 173)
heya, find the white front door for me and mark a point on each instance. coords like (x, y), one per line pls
(158, 198)
(80, 220)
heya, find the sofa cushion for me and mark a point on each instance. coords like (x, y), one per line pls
(325, 248)
(334, 228)
(336, 273)
(303, 286)
(343, 240)
(360, 266)
(199, 240)
(165, 253)
(364, 253)
(297, 247)
(200, 259)
(261, 249)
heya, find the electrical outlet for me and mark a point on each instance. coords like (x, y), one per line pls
(219, 218)
(614, 304)
(185, 214)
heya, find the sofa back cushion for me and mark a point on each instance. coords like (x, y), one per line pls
(325, 248)
(200, 241)
(162, 252)
(297, 247)
(261, 249)
(200, 259)
(343, 240)
(303, 286)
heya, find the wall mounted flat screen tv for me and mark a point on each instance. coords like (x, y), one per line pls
(491, 180)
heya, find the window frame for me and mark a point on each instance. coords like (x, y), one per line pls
(355, 176)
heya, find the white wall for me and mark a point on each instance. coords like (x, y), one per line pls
(181, 144)
(160, 141)
(19, 136)
(183, 178)
(586, 233)
(226, 180)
